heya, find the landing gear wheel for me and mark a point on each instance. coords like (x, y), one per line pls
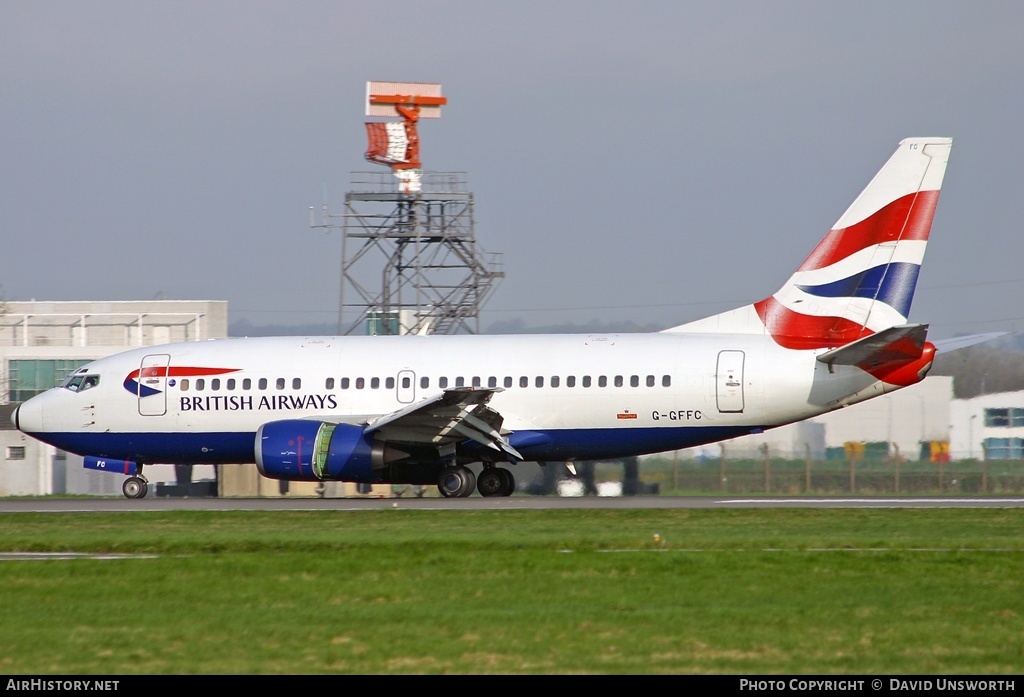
(496, 481)
(490, 482)
(508, 482)
(456, 482)
(135, 488)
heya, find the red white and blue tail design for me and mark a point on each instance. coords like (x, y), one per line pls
(861, 277)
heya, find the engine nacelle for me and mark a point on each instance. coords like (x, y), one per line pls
(304, 450)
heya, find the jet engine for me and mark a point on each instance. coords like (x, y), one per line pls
(305, 450)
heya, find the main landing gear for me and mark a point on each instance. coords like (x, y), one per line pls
(136, 486)
(458, 481)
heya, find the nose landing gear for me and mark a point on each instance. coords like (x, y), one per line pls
(136, 486)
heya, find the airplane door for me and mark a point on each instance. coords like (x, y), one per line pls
(729, 381)
(152, 384)
(406, 386)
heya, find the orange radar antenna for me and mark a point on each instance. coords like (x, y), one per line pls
(397, 145)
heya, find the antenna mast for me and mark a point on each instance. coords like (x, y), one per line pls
(434, 278)
(397, 145)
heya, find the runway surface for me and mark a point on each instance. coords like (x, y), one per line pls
(476, 503)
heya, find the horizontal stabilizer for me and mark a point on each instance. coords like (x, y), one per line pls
(959, 342)
(902, 343)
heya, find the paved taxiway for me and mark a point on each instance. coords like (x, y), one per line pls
(476, 503)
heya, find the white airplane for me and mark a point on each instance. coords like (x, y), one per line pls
(418, 409)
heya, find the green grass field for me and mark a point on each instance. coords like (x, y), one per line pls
(895, 591)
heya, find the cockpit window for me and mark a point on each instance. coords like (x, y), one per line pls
(81, 382)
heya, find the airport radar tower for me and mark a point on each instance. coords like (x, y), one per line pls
(420, 224)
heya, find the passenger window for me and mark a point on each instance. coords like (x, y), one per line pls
(586, 381)
(329, 384)
(508, 381)
(602, 381)
(296, 383)
(215, 384)
(634, 381)
(666, 380)
(200, 384)
(618, 381)
(374, 383)
(539, 382)
(360, 383)
(492, 381)
(570, 381)
(406, 383)
(524, 381)
(554, 381)
(345, 382)
(184, 384)
(476, 381)
(460, 381)
(424, 383)
(263, 383)
(442, 383)
(650, 381)
(390, 383)
(231, 383)
(247, 384)
(280, 383)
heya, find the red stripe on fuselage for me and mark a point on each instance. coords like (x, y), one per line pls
(178, 372)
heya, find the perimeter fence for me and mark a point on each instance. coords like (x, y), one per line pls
(827, 477)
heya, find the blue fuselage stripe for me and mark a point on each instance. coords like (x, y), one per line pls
(540, 446)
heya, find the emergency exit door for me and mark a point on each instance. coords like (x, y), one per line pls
(729, 381)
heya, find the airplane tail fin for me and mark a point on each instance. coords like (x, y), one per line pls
(860, 279)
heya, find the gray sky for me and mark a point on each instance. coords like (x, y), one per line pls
(648, 161)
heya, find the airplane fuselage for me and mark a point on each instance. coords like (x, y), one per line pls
(564, 397)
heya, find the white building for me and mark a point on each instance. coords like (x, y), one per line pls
(989, 427)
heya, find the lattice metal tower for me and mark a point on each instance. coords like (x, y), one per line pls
(410, 260)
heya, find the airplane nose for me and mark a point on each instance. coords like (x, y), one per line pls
(14, 418)
(28, 416)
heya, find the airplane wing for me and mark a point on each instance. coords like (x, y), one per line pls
(454, 415)
(901, 343)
